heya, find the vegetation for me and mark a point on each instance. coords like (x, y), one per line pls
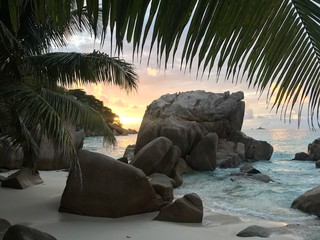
(91, 101)
(272, 44)
(30, 75)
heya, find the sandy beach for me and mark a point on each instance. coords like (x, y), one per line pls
(37, 207)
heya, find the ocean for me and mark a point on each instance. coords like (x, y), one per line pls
(248, 198)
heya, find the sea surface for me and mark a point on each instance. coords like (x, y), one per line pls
(270, 201)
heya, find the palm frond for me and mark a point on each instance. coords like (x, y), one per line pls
(12, 54)
(272, 44)
(69, 68)
(72, 110)
(35, 111)
(16, 135)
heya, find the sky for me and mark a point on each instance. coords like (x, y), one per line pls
(155, 82)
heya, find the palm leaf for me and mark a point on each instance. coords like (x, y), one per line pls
(267, 42)
(73, 111)
(70, 68)
(34, 111)
(15, 134)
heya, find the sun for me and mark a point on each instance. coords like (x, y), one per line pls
(129, 122)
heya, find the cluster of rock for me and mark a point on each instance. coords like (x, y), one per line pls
(202, 128)
(111, 188)
(120, 131)
(193, 130)
(179, 133)
(49, 157)
(313, 153)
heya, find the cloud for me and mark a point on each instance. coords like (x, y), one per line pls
(119, 103)
(153, 72)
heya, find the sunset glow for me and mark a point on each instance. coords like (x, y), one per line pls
(155, 82)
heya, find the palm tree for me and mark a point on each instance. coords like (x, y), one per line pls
(30, 106)
(274, 45)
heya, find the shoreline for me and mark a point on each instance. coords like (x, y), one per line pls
(37, 207)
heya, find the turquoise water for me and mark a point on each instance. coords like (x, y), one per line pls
(270, 201)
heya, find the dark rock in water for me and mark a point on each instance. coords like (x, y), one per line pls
(20, 232)
(302, 156)
(309, 202)
(22, 179)
(255, 231)
(247, 168)
(318, 164)
(109, 188)
(4, 226)
(255, 150)
(257, 177)
(313, 153)
(249, 172)
(203, 157)
(3, 170)
(314, 149)
(188, 209)
(163, 185)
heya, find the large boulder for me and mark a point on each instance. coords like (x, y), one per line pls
(255, 231)
(4, 226)
(230, 154)
(190, 119)
(158, 156)
(163, 185)
(255, 150)
(309, 202)
(203, 157)
(313, 153)
(180, 168)
(21, 179)
(188, 209)
(20, 232)
(49, 157)
(185, 117)
(314, 149)
(107, 188)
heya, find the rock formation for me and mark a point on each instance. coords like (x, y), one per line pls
(313, 153)
(204, 126)
(109, 188)
(21, 232)
(188, 209)
(163, 185)
(21, 179)
(4, 226)
(309, 202)
(49, 159)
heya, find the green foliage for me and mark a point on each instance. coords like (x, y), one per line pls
(91, 101)
(31, 103)
(274, 45)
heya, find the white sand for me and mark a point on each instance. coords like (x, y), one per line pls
(37, 207)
